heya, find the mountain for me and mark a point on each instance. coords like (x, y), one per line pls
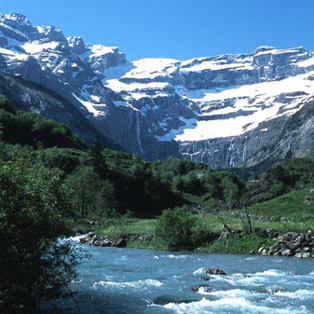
(30, 96)
(225, 111)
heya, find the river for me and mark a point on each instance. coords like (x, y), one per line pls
(126, 281)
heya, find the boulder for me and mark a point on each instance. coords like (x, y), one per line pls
(204, 287)
(165, 299)
(83, 240)
(105, 243)
(292, 244)
(121, 242)
(286, 252)
(215, 271)
(271, 233)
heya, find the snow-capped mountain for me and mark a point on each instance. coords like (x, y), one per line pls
(221, 110)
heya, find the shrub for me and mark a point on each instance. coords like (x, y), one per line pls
(175, 228)
(34, 263)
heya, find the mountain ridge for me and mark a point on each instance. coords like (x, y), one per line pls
(208, 109)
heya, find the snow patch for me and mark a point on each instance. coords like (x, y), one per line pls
(36, 47)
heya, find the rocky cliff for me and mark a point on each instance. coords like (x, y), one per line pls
(226, 111)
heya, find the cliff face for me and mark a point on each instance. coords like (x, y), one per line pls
(226, 111)
(29, 96)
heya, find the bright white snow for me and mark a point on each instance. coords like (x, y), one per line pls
(36, 47)
(262, 94)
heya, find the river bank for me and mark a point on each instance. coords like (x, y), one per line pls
(268, 242)
(280, 227)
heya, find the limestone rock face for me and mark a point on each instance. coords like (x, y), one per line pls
(225, 111)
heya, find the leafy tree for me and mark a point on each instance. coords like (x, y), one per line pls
(91, 196)
(232, 189)
(175, 227)
(5, 104)
(34, 263)
(29, 128)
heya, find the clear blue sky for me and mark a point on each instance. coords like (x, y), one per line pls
(179, 29)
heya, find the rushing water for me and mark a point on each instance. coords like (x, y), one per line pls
(117, 281)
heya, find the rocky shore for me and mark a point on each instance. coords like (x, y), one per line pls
(295, 244)
(120, 241)
(291, 244)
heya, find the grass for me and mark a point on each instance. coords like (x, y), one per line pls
(154, 244)
(300, 224)
(291, 205)
(236, 245)
(130, 226)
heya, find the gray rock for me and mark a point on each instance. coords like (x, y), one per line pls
(119, 243)
(286, 252)
(166, 299)
(105, 243)
(292, 244)
(203, 287)
(215, 271)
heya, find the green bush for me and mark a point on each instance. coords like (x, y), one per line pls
(34, 263)
(29, 128)
(175, 228)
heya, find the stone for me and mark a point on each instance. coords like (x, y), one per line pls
(119, 243)
(203, 287)
(271, 233)
(286, 252)
(215, 271)
(83, 240)
(306, 254)
(105, 243)
(166, 299)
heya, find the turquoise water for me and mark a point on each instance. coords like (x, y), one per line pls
(120, 281)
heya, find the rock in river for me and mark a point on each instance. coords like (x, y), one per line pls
(215, 271)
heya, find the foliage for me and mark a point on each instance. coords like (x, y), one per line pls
(90, 195)
(30, 129)
(236, 245)
(175, 227)
(33, 206)
(281, 178)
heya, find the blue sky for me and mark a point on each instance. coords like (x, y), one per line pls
(179, 29)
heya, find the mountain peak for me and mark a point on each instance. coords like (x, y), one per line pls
(51, 33)
(15, 18)
(263, 48)
(76, 44)
(160, 107)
